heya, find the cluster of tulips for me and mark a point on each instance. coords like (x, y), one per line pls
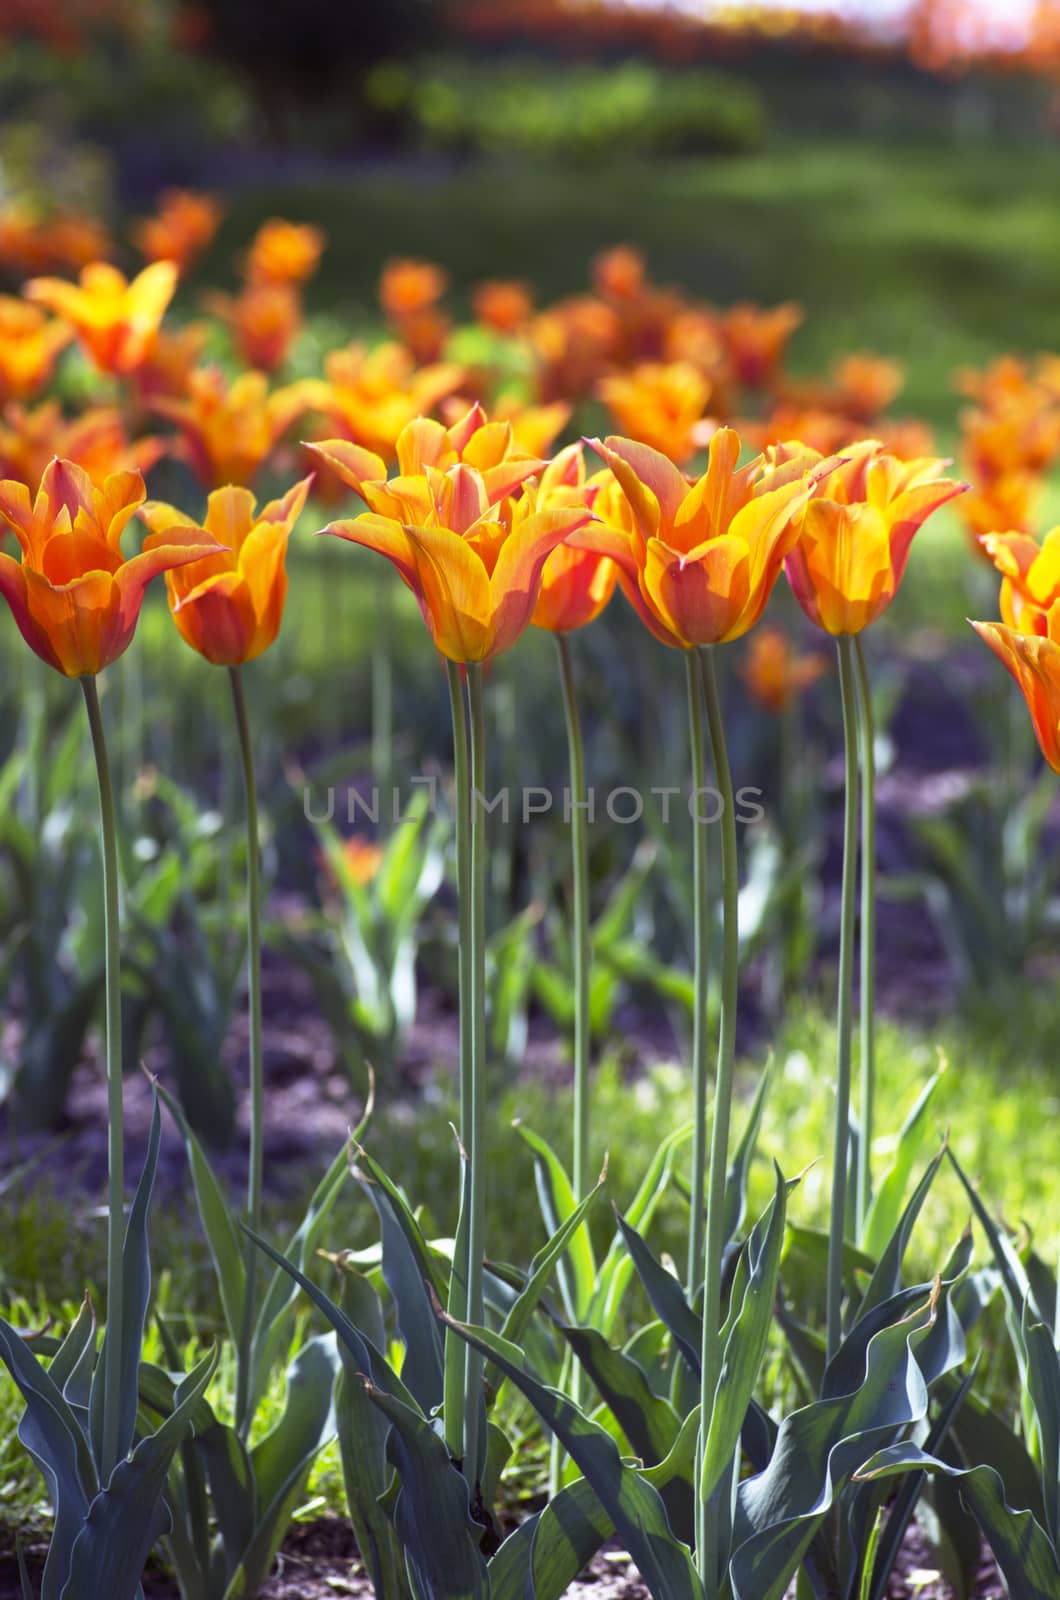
(493, 535)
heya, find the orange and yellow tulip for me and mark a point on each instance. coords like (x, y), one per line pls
(698, 560)
(407, 288)
(29, 347)
(662, 406)
(116, 320)
(97, 441)
(774, 674)
(756, 339)
(576, 585)
(182, 229)
(372, 395)
(264, 321)
(853, 537)
(284, 252)
(574, 342)
(470, 548)
(1030, 577)
(1033, 659)
(74, 596)
(230, 429)
(229, 606)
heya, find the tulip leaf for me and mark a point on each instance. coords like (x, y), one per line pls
(740, 1165)
(432, 1510)
(1043, 1385)
(411, 1277)
(362, 1431)
(649, 1423)
(630, 1500)
(218, 1226)
(666, 1295)
(1023, 1550)
(577, 1274)
(127, 1516)
(886, 1205)
(887, 1278)
(233, 1493)
(617, 1266)
(545, 1554)
(744, 1337)
(523, 1307)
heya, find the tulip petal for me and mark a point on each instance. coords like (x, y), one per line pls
(13, 589)
(702, 598)
(454, 593)
(516, 580)
(1034, 663)
(217, 620)
(354, 465)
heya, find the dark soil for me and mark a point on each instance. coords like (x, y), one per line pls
(319, 1561)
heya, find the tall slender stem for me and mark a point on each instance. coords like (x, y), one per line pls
(474, 1444)
(866, 1114)
(455, 1348)
(255, 1164)
(700, 973)
(845, 1003)
(580, 872)
(708, 1554)
(112, 1345)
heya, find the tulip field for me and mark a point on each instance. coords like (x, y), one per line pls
(528, 924)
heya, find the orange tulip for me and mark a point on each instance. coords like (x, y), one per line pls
(502, 304)
(183, 228)
(1030, 577)
(470, 549)
(854, 535)
(660, 405)
(284, 252)
(115, 320)
(170, 362)
(229, 606)
(264, 321)
(774, 674)
(372, 395)
(69, 240)
(29, 347)
(534, 428)
(229, 430)
(407, 288)
(1002, 503)
(619, 274)
(74, 596)
(574, 341)
(757, 339)
(699, 560)
(96, 441)
(1033, 659)
(1023, 437)
(576, 585)
(866, 385)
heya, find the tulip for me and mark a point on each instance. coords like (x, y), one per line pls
(774, 673)
(699, 561)
(29, 348)
(503, 305)
(116, 320)
(229, 606)
(854, 535)
(756, 339)
(372, 395)
(574, 341)
(660, 405)
(96, 440)
(407, 288)
(284, 252)
(534, 428)
(183, 228)
(619, 274)
(168, 366)
(229, 429)
(264, 321)
(1030, 578)
(74, 596)
(1007, 502)
(1033, 659)
(866, 385)
(576, 585)
(471, 552)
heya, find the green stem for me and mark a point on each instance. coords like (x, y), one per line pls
(866, 1116)
(700, 972)
(708, 1554)
(255, 1165)
(580, 869)
(112, 1344)
(455, 1348)
(845, 1003)
(474, 1443)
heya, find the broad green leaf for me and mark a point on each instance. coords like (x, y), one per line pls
(1021, 1547)
(886, 1280)
(617, 1267)
(577, 1272)
(630, 1500)
(518, 1317)
(666, 1295)
(886, 1207)
(128, 1516)
(1043, 1383)
(545, 1554)
(649, 1423)
(432, 1512)
(233, 1493)
(218, 1226)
